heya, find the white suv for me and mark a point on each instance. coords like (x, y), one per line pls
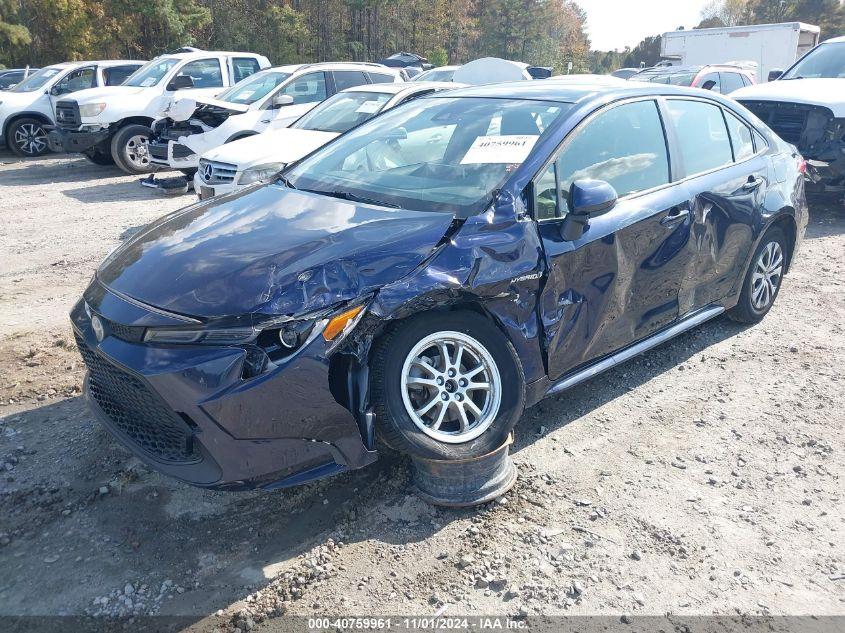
(268, 100)
(112, 125)
(250, 160)
(26, 111)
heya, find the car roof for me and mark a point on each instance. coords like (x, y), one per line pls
(292, 68)
(572, 91)
(401, 86)
(834, 40)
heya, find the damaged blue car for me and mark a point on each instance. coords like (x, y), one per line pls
(430, 274)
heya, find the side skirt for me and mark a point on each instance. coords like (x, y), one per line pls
(687, 323)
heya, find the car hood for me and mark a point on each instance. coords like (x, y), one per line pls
(97, 95)
(14, 100)
(829, 93)
(270, 250)
(277, 146)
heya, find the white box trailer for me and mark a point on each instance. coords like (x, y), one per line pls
(770, 46)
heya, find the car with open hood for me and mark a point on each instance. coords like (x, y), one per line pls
(261, 156)
(269, 100)
(805, 106)
(427, 275)
(111, 125)
(26, 111)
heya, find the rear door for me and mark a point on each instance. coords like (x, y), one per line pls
(620, 281)
(344, 79)
(726, 175)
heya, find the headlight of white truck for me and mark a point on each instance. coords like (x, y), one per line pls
(260, 172)
(89, 110)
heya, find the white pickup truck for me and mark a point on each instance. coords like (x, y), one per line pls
(26, 111)
(269, 100)
(805, 106)
(112, 125)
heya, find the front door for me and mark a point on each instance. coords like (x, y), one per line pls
(620, 281)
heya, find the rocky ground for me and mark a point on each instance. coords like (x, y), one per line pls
(705, 477)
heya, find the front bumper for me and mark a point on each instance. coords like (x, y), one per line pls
(205, 191)
(186, 410)
(167, 153)
(75, 141)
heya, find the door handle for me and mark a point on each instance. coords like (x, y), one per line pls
(752, 183)
(676, 214)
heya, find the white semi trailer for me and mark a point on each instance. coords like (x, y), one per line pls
(770, 46)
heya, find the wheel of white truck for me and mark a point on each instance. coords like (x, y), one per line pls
(27, 137)
(129, 149)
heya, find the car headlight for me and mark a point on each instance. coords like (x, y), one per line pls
(89, 110)
(260, 172)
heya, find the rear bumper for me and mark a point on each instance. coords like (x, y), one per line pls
(278, 429)
(75, 141)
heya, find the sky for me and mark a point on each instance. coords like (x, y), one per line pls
(614, 24)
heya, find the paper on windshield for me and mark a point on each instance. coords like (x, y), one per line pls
(149, 81)
(508, 149)
(369, 107)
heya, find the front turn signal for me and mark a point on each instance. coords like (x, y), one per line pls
(338, 323)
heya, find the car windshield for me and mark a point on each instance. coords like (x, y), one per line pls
(673, 79)
(432, 154)
(254, 87)
(436, 74)
(151, 73)
(825, 61)
(344, 111)
(36, 81)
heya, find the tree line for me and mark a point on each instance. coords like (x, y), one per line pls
(539, 32)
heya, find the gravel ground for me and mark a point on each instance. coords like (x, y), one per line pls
(705, 477)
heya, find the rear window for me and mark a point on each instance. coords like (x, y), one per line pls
(244, 67)
(116, 75)
(348, 78)
(741, 139)
(702, 135)
(381, 78)
(731, 82)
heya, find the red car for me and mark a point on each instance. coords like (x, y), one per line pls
(722, 78)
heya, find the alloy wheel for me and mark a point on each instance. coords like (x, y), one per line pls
(137, 151)
(31, 138)
(767, 275)
(451, 387)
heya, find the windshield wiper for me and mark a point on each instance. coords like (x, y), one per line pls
(285, 182)
(354, 197)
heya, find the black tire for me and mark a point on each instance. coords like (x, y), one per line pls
(394, 423)
(27, 137)
(129, 153)
(747, 310)
(98, 157)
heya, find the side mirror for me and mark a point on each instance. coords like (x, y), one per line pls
(587, 199)
(775, 73)
(181, 82)
(280, 101)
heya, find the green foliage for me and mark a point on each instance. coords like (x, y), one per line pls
(438, 57)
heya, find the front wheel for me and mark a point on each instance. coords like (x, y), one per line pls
(763, 279)
(446, 386)
(130, 151)
(27, 137)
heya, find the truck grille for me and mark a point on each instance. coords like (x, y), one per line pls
(214, 173)
(797, 123)
(67, 115)
(136, 411)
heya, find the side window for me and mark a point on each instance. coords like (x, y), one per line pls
(116, 75)
(740, 138)
(731, 82)
(7, 80)
(205, 73)
(381, 78)
(243, 67)
(79, 79)
(702, 135)
(745, 80)
(545, 194)
(310, 88)
(348, 78)
(624, 145)
(710, 81)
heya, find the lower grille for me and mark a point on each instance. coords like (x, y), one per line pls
(67, 115)
(136, 411)
(130, 333)
(214, 173)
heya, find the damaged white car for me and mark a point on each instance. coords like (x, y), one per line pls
(268, 100)
(241, 163)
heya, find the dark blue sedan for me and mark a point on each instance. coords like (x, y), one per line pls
(430, 274)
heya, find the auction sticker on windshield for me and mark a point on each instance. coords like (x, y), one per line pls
(369, 107)
(510, 148)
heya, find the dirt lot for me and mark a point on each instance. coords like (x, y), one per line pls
(705, 477)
